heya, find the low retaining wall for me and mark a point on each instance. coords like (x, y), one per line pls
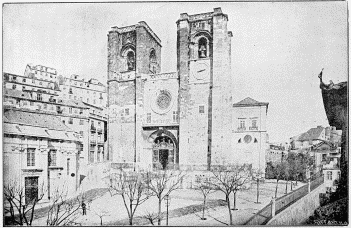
(299, 211)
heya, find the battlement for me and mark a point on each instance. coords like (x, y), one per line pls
(202, 16)
(131, 28)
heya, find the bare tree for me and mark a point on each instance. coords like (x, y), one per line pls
(151, 217)
(100, 211)
(232, 178)
(20, 207)
(203, 185)
(63, 211)
(133, 187)
(162, 183)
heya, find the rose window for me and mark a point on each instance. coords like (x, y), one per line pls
(163, 100)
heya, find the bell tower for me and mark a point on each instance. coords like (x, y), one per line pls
(132, 51)
(204, 60)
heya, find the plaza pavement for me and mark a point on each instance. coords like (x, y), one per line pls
(181, 210)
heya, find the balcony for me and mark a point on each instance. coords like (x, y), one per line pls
(92, 128)
(241, 128)
(253, 128)
(99, 130)
(92, 141)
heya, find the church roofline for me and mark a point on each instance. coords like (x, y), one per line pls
(133, 28)
(247, 102)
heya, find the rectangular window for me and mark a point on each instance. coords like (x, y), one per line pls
(80, 111)
(81, 122)
(81, 133)
(14, 78)
(91, 157)
(13, 86)
(23, 87)
(126, 111)
(201, 109)
(30, 157)
(52, 158)
(68, 166)
(70, 110)
(70, 120)
(45, 106)
(148, 118)
(31, 189)
(99, 137)
(242, 124)
(98, 156)
(329, 175)
(175, 116)
(24, 80)
(254, 123)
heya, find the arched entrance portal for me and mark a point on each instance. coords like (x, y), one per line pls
(163, 152)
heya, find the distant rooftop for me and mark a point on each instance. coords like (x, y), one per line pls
(42, 68)
(249, 102)
(311, 134)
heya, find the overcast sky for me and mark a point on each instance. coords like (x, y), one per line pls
(278, 49)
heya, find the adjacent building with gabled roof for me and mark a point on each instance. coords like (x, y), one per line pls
(39, 150)
(249, 132)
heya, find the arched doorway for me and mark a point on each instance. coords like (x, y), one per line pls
(163, 152)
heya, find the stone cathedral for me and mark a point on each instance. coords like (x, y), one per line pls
(186, 119)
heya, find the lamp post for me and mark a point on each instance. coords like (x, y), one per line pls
(258, 176)
(168, 199)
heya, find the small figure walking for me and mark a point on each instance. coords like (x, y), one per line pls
(84, 207)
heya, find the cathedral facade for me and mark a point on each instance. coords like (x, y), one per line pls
(179, 120)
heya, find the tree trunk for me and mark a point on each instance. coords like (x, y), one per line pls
(159, 211)
(230, 211)
(291, 186)
(203, 209)
(234, 201)
(101, 221)
(131, 214)
(286, 187)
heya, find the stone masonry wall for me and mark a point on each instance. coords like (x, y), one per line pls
(184, 98)
(221, 95)
(299, 212)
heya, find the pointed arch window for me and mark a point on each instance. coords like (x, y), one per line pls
(153, 61)
(131, 60)
(202, 48)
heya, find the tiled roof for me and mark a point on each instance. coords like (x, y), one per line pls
(11, 128)
(250, 102)
(35, 119)
(73, 103)
(311, 134)
(323, 142)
